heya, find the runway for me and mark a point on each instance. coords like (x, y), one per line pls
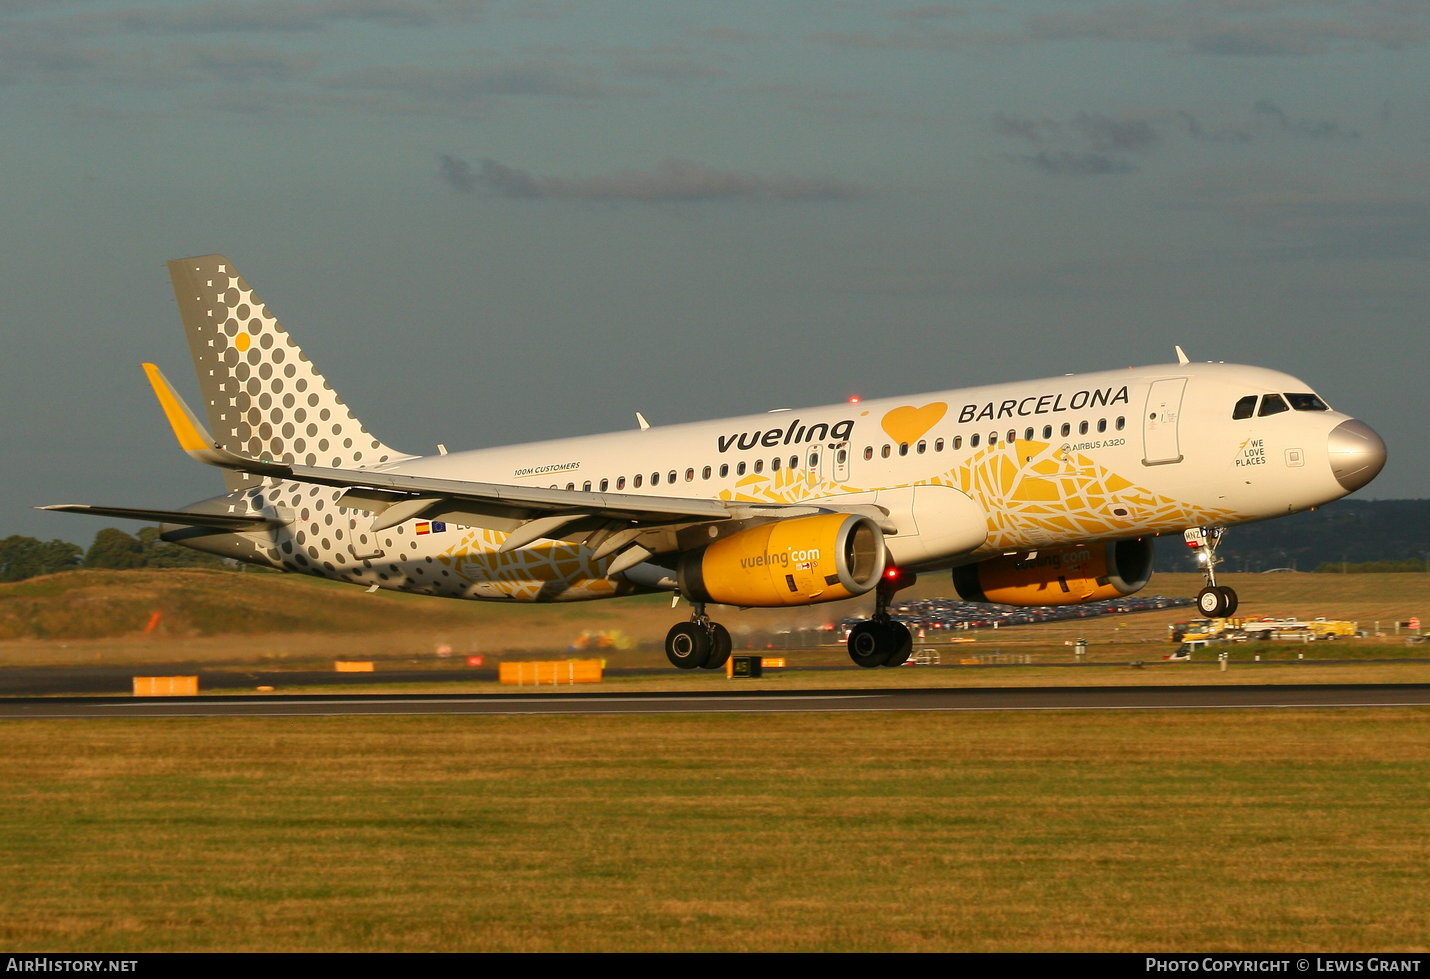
(747, 702)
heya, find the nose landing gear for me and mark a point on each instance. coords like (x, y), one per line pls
(1214, 601)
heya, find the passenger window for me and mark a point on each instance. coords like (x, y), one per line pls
(841, 457)
(886, 450)
(1047, 431)
(1245, 408)
(868, 452)
(1066, 429)
(705, 473)
(1012, 435)
(759, 465)
(922, 447)
(903, 448)
(958, 441)
(655, 479)
(938, 445)
(1082, 428)
(1307, 402)
(1028, 435)
(992, 438)
(605, 485)
(586, 486)
(775, 464)
(973, 441)
(620, 482)
(814, 460)
(636, 482)
(1273, 404)
(1102, 424)
(1121, 423)
(570, 486)
(690, 475)
(740, 469)
(672, 475)
(724, 469)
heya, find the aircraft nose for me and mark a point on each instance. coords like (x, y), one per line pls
(1357, 454)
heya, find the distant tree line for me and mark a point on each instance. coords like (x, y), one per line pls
(27, 557)
(1372, 567)
(1348, 532)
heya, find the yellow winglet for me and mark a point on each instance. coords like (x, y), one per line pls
(191, 435)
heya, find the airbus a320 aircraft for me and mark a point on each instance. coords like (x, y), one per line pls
(1040, 492)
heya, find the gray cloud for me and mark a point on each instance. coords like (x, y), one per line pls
(669, 181)
(1033, 130)
(1267, 113)
(456, 173)
(1195, 130)
(1270, 28)
(1067, 163)
(465, 84)
(1107, 134)
(281, 16)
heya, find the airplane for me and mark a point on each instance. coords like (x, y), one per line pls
(1041, 492)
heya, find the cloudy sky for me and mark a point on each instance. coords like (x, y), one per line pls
(494, 222)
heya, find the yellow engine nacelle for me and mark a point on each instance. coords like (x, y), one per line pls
(1059, 576)
(794, 561)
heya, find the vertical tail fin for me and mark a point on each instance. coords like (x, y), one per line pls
(264, 399)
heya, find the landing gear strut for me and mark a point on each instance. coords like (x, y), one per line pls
(699, 643)
(881, 641)
(1214, 601)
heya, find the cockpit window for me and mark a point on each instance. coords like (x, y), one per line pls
(1245, 408)
(1307, 402)
(1273, 404)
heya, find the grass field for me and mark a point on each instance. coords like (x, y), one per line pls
(215, 617)
(1291, 830)
(1255, 830)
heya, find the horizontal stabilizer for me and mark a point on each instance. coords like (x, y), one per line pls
(190, 518)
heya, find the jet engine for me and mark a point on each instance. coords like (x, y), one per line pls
(794, 561)
(1058, 576)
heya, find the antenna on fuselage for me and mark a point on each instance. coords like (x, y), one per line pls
(1181, 356)
(640, 420)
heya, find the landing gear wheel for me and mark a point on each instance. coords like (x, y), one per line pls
(1217, 602)
(901, 645)
(1209, 602)
(1230, 602)
(869, 643)
(720, 647)
(687, 645)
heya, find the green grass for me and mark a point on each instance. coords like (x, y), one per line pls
(1284, 830)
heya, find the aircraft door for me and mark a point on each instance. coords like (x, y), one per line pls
(823, 464)
(1160, 442)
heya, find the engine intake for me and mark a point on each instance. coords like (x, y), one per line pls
(1059, 576)
(794, 561)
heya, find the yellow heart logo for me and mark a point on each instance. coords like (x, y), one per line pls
(908, 424)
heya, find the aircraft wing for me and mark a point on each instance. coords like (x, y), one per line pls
(191, 518)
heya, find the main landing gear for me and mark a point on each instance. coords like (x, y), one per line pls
(1214, 601)
(699, 643)
(880, 641)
